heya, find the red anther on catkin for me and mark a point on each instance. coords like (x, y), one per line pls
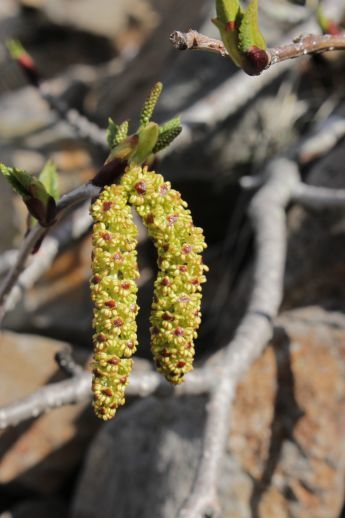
(179, 331)
(114, 361)
(118, 322)
(149, 219)
(107, 205)
(172, 219)
(107, 392)
(186, 249)
(165, 281)
(140, 187)
(110, 303)
(168, 318)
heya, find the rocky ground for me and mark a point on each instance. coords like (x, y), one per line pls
(285, 455)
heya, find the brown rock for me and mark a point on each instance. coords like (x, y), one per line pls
(38, 455)
(288, 428)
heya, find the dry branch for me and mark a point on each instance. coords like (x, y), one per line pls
(301, 46)
(78, 390)
(268, 218)
(76, 196)
(318, 198)
(69, 230)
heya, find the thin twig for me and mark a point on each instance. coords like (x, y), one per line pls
(318, 198)
(267, 214)
(328, 135)
(69, 230)
(68, 201)
(301, 46)
(82, 125)
(306, 45)
(194, 40)
(78, 390)
(67, 363)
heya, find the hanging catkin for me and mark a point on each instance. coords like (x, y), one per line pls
(175, 313)
(113, 289)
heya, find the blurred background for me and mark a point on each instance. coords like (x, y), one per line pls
(286, 454)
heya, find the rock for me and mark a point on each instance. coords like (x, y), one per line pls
(287, 437)
(23, 112)
(286, 453)
(106, 18)
(142, 463)
(54, 508)
(39, 455)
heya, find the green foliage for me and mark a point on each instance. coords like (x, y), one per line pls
(150, 138)
(15, 48)
(241, 35)
(116, 133)
(36, 197)
(249, 31)
(228, 11)
(49, 178)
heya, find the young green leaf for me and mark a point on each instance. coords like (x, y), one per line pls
(49, 178)
(39, 202)
(112, 130)
(148, 137)
(249, 32)
(228, 12)
(229, 16)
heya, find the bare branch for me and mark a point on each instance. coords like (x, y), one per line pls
(267, 214)
(78, 389)
(318, 197)
(319, 144)
(69, 230)
(82, 125)
(306, 45)
(301, 46)
(194, 40)
(69, 200)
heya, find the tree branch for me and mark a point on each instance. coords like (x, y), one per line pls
(68, 201)
(82, 125)
(301, 46)
(267, 214)
(78, 390)
(318, 197)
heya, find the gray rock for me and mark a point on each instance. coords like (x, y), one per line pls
(143, 462)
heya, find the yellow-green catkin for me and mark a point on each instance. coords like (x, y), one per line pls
(175, 313)
(113, 290)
